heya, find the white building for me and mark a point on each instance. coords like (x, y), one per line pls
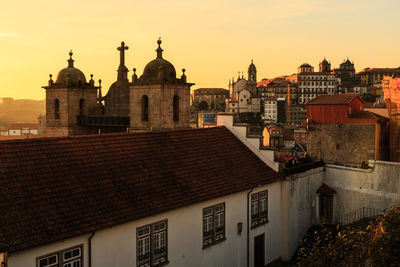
(311, 84)
(21, 129)
(270, 109)
(142, 199)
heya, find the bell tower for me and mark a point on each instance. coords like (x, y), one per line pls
(158, 99)
(68, 100)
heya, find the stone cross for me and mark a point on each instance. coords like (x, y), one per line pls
(122, 49)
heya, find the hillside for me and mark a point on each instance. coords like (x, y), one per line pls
(20, 111)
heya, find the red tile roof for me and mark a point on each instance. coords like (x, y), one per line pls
(18, 126)
(56, 188)
(333, 99)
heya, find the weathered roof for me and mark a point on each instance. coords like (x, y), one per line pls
(23, 126)
(55, 188)
(333, 99)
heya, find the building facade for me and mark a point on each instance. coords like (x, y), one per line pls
(155, 100)
(340, 132)
(210, 99)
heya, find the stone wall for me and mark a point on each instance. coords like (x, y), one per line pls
(160, 104)
(347, 144)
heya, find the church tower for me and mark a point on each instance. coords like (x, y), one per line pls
(158, 99)
(117, 98)
(324, 66)
(252, 79)
(68, 99)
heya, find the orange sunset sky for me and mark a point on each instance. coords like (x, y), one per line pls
(213, 40)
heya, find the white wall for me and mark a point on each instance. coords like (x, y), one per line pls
(267, 156)
(377, 188)
(116, 246)
(298, 208)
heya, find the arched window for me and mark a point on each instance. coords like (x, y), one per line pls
(176, 108)
(81, 106)
(145, 108)
(56, 109)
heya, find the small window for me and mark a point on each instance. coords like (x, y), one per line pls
(145, 108)
(56, 109)
(259, 208)
(81, 106)
(152, 244)
(176, 108)
(213, 224)
(71, 257)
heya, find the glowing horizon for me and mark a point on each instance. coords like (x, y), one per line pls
(212, 40)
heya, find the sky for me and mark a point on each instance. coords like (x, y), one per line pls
(211, 39)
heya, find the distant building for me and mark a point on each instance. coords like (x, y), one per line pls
(270, 109)
(347, 74)
(373, 76)
(339, 131)
(312, 84)
(210, 99)
(21, 129)
(244, 97)
(279, 87)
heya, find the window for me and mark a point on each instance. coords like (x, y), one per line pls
(213, 224)
(145, 108)
(81, 106)
(152, 244)
(176, 108)
(56, 109)
(71, 257)
(259, 208)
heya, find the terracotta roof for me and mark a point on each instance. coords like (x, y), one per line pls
(32, 126)
(326, 190)
(370, 70)
(55, 188)
(333, 99)
(219, 90)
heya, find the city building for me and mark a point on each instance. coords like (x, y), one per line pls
(347, 74)
(270, 109)
(210, 99)
(311, 84)
(155, 100)
(20, 129)
(278, 87)
(341, 132)
(391, 90)
(373, 76)
(244, 97)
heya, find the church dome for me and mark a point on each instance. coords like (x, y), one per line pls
(70, 75)
(159, 69)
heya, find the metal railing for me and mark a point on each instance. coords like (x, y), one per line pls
(359, 214)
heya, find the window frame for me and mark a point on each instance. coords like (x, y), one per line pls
(256, 199)
(60, 257)
(215, 237)
(151, 235)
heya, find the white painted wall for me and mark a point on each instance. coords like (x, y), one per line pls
(267, 156)
(116, 246)
(377, 188)
(298, 208)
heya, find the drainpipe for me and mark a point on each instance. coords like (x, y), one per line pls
(90, 249)
(248, 227)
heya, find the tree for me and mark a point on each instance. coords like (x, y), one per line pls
(374, 244)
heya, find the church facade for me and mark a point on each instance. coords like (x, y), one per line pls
(156, 100)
